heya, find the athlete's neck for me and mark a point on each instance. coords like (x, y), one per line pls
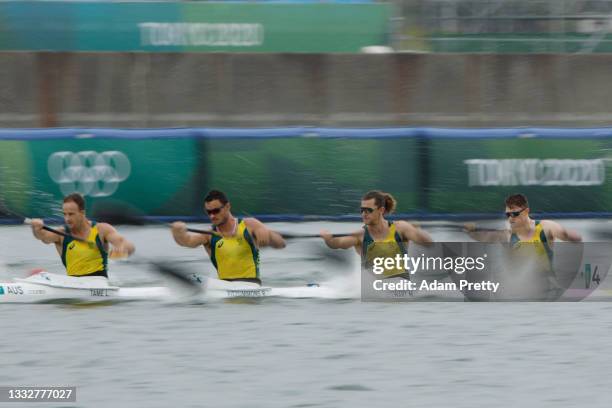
(228, 227)
(81, 229)
(378, 228)
(527, 230)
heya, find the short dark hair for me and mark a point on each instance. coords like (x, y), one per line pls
(216, 195)
(77, 199)
(517, 200)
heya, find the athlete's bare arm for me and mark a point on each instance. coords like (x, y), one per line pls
(121, 246)
(412, 233)
(43, 235)
(262, 235)
(555, 230)
(349, 241)
(187, 239)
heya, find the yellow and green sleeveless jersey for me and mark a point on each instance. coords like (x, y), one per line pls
(537, 247)
(235, 257)
(81, 259)
(388, 247)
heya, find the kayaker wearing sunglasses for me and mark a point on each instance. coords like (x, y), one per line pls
(378, 237)
(524, 229)
(234, 246)
(533, 276)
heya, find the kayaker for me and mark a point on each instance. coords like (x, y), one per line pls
(379, 238)
(525, 230)
(532, 275)
(89, 255)
(234, 246)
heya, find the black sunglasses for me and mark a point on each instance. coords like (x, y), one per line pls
(366, 209)
(214, 211)
(514, 214)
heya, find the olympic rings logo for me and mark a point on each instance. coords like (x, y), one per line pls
(89, 173)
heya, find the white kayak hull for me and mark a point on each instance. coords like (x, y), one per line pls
(298, 292)
(45, 287)
(48, 287)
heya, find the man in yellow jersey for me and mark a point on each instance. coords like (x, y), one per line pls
(234, 248)
(523, 229)
(90, 256)
(379, 237)
(531, 241)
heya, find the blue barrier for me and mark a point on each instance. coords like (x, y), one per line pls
(310, 173)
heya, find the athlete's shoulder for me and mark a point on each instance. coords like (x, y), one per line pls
(253, 225)
(403, 225)
(104, 230)
(103, 226)
(252, 222)
(553, 230)
(549, 225)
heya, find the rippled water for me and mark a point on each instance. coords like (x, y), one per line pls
(299, 353)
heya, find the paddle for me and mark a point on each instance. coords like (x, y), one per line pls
(122, 219)
(178, 279)
(285, 235)
(28, 221)
(122, 215)
(289, 235)
(599, 232)
(116, 216)
(456, 225)
(205, 232)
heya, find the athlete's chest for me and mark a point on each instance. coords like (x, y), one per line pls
(231, 244)
(381, 235)
(532, 236)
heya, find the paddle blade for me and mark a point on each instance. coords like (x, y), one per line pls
(177, 280)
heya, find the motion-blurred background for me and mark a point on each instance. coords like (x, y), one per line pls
(296, 108)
